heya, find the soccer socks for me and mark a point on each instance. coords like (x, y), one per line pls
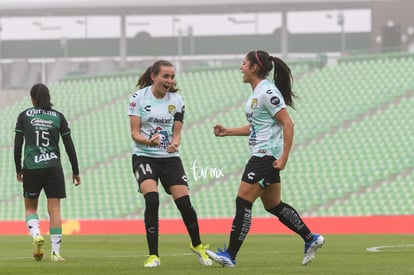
(32, 222)
(291, 218)
(56, 239)
(152, 204)
(240, 227)
(190, 219)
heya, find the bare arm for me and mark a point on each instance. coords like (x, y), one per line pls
(221, 131)
(284, 119)
(135, 126)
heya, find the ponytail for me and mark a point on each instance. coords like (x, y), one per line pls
(40, 93)
(145, 79)
(282, 77)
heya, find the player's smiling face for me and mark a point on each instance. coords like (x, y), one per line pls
(162, 81)
(246, 70)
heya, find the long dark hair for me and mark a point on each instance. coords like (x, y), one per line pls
(282, 76)
(145, 79)
(40, 93)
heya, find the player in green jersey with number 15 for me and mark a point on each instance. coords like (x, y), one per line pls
(40, 127)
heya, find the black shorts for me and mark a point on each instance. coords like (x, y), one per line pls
(260, 170)
(51, 180)
(170, 171)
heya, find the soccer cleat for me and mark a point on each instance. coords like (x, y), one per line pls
(200, 251)
(311, 247)
(38, 243)
(56, 258)
(222, 257)
(152, 261)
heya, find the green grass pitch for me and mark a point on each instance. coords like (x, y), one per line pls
(260, 254)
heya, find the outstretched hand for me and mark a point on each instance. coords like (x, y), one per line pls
(219, 130)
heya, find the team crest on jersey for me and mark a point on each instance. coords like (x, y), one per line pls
(254, 103)
(171, 109)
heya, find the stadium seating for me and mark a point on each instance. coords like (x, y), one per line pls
(353, 150)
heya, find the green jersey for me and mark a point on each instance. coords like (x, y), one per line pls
(41, 130)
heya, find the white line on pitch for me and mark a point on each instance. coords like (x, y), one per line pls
(398, 248)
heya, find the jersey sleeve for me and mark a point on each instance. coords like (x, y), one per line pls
(179, 115)
(18, 143)
(134, 106)
(68, 143)
(70, 150)
(19, 124)
(273, 101)
(64, 126)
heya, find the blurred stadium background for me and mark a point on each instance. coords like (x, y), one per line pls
(354, 140)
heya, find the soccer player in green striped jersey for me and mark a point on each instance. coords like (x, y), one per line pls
(270, 131)
(40, 128)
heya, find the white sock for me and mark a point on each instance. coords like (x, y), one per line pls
(34, 227)
(56, 239)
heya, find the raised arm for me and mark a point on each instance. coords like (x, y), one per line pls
(221, 131)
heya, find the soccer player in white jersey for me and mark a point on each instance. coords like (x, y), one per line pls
(270, 131)
(156, 115)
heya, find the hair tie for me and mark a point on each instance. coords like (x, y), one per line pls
(258, 60)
